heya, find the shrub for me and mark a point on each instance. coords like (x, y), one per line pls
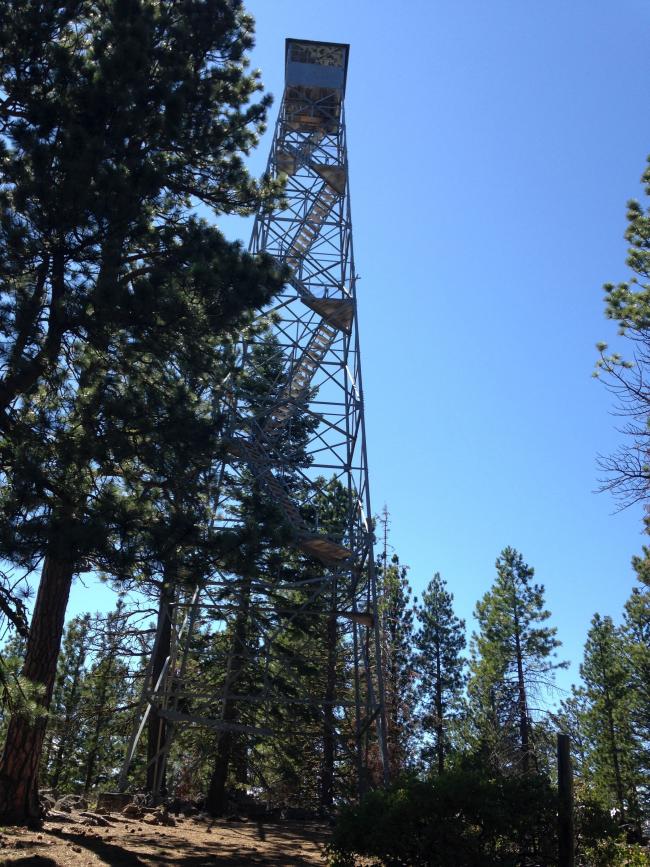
(460, 819)
(469, 817)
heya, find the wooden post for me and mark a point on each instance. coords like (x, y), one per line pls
(566, 843)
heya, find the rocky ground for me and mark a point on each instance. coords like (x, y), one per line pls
(137, 836)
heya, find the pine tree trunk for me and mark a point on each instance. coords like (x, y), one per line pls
(618, 778)
(440, 734)
(240, 761)
(329, 745)
(19, 802)
(157, 726)
(216, 798)
(522, 703)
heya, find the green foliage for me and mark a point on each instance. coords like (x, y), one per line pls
(440, 642)
(513, 657)
(468, 817)
(396, 613)
(636, 635)
(615, 853)
(462, 818)
(65, 709)
(112, 122)
(510, 618)
(569, 719)
(629, 303)
(86, 733)
(18, 694)
(108, 690)
(119, 306)
(627, 471)
(606, 719)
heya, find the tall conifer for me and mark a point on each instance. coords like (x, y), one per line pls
(113, 125)
(440, 641)
(607, 719)
(513, 658)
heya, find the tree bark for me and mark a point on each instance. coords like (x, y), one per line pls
(240, 761)
(216, 798)
(618, 777)
(522, 701)
(440, 734)
(329, 745)
(25, 372)
(19, 802)
(566, 835)
(156, 725)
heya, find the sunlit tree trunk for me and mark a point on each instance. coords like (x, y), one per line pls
(19, 802)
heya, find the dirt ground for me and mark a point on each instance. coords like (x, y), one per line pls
(191, 843)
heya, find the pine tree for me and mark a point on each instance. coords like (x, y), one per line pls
(107, 689)
(396, 612)
(627, 473)
(65, 710)
(260, 551)
(636, 634)
(14, 694)
(513, 657)
(110, 123)
(440, 642)
(569, 719)
(605, 671)
(107, 273)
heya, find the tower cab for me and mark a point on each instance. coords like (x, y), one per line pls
(316, 74)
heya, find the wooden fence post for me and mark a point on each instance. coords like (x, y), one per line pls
(566, 842)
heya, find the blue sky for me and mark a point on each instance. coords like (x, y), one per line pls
(492, 149)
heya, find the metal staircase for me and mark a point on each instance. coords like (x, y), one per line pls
(297, 386)
(312, 226)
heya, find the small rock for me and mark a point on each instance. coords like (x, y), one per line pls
(113, 802)
(71, 802)
(160, 816)
(133, 811)
(47, 801)
(54, 816)
(94, 819)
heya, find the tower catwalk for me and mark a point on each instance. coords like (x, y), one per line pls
(296, 457)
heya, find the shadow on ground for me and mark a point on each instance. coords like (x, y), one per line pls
(226, 844)
(30, 861)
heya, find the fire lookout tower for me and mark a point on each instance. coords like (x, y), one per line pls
(302, 443)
